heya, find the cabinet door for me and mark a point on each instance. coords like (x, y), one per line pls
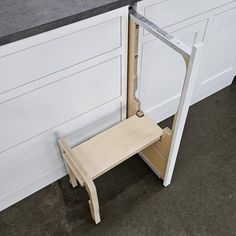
(58, 84)
(219, 61)
(170, 12)
(162, 71)
(75, 47)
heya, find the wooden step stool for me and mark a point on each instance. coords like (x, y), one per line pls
(138, 133)
(101, 153)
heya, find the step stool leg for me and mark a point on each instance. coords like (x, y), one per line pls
(93, 201)
(72, 177)
(86, 180)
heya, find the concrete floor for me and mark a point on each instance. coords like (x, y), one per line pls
(200, 201)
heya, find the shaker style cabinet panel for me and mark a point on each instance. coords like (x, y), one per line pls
(161, 70)
(71, 82)
(43, 59)
(169, 12)
(40, 110)
(219, 61)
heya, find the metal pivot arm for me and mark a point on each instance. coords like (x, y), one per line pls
(192, 57)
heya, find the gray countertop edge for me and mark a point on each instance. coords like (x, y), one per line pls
(62, 22)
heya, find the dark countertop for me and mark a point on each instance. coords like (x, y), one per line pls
(24, 18)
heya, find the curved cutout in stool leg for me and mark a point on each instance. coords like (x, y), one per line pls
(93, 201)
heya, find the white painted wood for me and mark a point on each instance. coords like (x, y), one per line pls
(36, 112)
(77, 102)
(221, 53)
(170, 12)
(42, 60)
(162, 103)
(14, 93)
(62, 31)
(181, 115)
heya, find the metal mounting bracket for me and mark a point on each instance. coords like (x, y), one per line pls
(161, 34)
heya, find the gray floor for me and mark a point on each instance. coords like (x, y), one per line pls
(200, 201)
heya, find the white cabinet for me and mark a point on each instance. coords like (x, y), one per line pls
(60, 52)
(69, 97)
(170, 12)
(219, 61)
(71, 82)
(161, 70)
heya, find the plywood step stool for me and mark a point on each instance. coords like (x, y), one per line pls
(138, 133)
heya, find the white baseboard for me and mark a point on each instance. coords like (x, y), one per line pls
(169, 107)
(214, 85)
(31, 187)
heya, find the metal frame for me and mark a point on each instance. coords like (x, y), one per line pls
(161, 34)
(192, 57)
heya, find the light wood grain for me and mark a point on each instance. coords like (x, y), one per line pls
(150, 154)
(163, 146)
(115, 145)
(156, 155)
(155, 159)
(133, 104)
(82, 175)
(101, 153)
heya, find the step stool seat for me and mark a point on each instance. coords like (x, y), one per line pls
(115, 145)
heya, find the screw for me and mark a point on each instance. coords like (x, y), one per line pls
(139, 114)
